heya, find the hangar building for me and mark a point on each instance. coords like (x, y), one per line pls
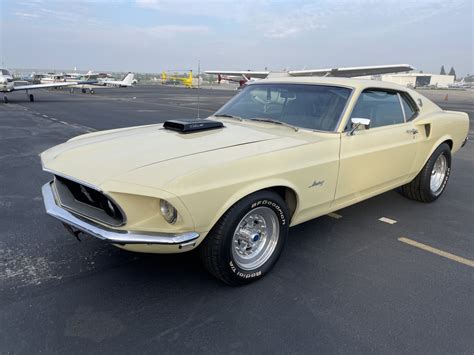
(419, 79)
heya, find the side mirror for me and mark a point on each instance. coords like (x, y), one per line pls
(357, 122)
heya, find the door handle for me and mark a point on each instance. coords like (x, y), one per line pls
(412, 131)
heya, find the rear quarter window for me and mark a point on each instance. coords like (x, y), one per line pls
(409, 106)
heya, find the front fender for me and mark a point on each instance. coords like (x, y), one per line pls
(142, 208)
(252, 188)
(209, 206)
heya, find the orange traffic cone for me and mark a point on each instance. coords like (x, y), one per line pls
(446, 97)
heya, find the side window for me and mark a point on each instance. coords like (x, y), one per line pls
(381, 107)
(409, 107)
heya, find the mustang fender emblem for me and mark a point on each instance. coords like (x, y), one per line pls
(316, 184)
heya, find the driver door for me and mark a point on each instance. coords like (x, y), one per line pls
(381, 157)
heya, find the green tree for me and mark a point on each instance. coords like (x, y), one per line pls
(442, 72)
(452, 72)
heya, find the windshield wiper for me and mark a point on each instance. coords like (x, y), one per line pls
(228, 116)
(270, 120)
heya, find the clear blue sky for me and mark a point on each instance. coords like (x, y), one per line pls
(156, 35)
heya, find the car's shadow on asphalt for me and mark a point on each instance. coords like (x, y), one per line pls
(60, 260)
(311, 241)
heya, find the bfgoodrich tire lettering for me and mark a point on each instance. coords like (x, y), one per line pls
(242, 246)
(424, 187)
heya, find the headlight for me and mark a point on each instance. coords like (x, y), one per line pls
(168, 211)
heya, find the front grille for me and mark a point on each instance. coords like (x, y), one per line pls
(87, 202)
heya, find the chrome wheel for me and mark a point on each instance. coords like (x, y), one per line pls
(438, 174)
(255, 238)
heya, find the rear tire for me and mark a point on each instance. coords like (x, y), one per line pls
(32, 98)
(431, 181)
(247, 240)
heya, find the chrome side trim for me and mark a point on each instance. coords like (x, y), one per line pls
(106, 234)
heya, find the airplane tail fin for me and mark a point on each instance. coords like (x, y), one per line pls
(128, 80)
(163, 77)
(189, 81)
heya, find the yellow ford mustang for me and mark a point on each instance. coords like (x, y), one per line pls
(281, 152)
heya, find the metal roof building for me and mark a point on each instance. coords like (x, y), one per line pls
(419, 79)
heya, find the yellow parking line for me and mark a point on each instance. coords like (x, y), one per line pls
(437, 251)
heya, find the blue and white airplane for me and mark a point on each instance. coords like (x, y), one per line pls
(7, 84)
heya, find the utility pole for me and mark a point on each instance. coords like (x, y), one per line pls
(199, 86)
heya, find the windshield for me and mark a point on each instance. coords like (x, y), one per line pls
(5, 72)
(316, 107)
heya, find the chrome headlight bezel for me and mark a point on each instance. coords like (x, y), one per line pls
(168, 211)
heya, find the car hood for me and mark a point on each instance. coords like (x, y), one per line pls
(97, 157)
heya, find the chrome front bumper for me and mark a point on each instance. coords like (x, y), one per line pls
(109, 235)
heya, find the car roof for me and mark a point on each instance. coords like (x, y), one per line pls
(348, 82)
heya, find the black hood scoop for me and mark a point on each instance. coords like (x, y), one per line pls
(190, 126)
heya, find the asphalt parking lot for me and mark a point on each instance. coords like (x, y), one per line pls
(346, 283)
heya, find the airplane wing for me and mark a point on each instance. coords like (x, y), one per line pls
(247, 73)
(339, 72)
(92, 76)
(93, 81)
(44, 86)
(354, 71)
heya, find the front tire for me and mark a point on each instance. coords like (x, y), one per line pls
(431, 182)
(247, 241)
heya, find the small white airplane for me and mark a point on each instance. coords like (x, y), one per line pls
(52, 78)
(127, 81)
(90, 75)
(461, 85)
(7, 84)
(245, 76)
